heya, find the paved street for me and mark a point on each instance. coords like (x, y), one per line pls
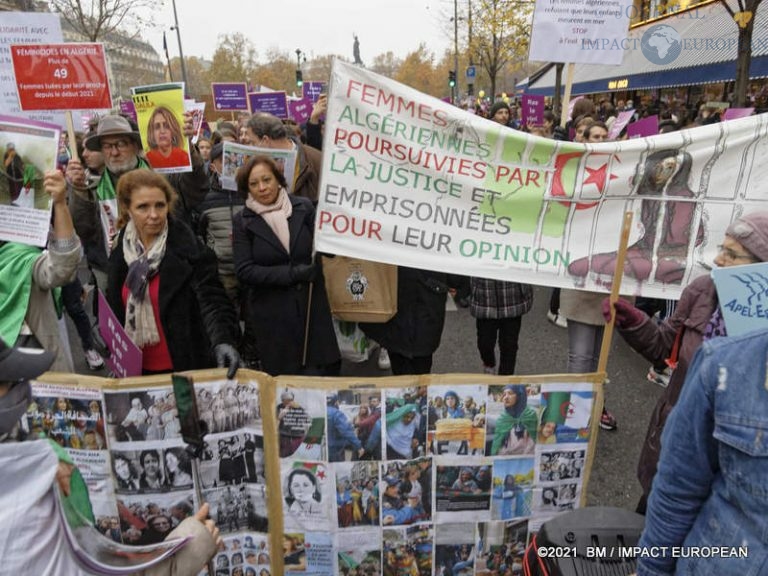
(543, 349)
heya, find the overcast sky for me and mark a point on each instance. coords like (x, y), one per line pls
(315, 27)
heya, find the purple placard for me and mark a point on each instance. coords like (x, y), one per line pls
(125, 357)
(619, 123)
(300, 110)
(230, 96)
(644, 127)
(311, 90)
(127, 108)
(532, 110)
(734, 113)
(275, 103)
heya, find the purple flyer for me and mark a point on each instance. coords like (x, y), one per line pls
(644, 127)
(311, 90)
(533, 110)
(275, 103)
(300, 110)
(230, 96)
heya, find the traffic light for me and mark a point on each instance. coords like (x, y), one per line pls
(299, 79)
(451, 78)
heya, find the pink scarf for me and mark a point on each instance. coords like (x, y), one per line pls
(275, 215)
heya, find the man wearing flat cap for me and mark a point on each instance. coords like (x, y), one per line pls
(94, 206)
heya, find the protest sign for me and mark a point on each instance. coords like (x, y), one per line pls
(197, 110)
(275, 103)
(124, 356)
(230, 96)
(311, 90)
(648, 126)
(29, 150)
(300, 110)
(236, 155)
(743, 295)
(160, 116)
(532, 110)
(70, 76)
(580, 31)
(409, 180)
(734, 113)
(128, 109)
(619, 123)
(25, 28)
(281, 476)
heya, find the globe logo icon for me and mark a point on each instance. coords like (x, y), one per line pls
(661, 44)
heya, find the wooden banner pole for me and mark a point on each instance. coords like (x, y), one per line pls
(71, 135)
(567, 95)
(618, 275)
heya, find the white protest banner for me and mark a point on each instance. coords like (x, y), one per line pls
(29, 149)
(25, 28)
(410, 180)
(237, 155)
(586, 31)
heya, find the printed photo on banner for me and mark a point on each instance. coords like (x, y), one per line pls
(142, 415)
(457, 420)
(294, 552)
(232, 459)
(513, 480)
(197, 111)
(560, 464)
(151, 470)
(556, 497)
(501, 547)
(406, 423)
(406, 492)
(513, 419)
(238, 508)
(29, 150)
(455, 549)
(408, 550)
(307, 495)
(160, 116)
(318, 555)
(362, 409)
(71, 419)
(357, 494)
(566, 413)
(237, 155)
(359, 550)
(149, 518)
(301, 423)
(254, 548)
(226, 406)
(463, 489)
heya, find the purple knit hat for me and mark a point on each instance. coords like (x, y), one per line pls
(751, 231)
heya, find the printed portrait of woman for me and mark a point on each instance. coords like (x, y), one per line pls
(303, 495)
(178, 468)
(165, 140)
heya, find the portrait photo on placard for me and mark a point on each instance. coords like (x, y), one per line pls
(456, 416)
(238, 508)
(512, 488)
(501, 545)
(406, 492)
(357, 493)
(566, 414)
(354, 424)
(301, 423)
(149, 518)
(232, 459)
(145, 471)
(561, 464)
(142, 416)
(405, 423)
(226, 406)
(308, 494)
(69, 421)
(463, 489)
(408, 550)
(455, 549)
(513, 420)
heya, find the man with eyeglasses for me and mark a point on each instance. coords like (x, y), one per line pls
(94, 202)
(696, 318)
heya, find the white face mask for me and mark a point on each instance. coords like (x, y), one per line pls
(13, 405)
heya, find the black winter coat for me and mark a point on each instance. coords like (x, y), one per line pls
(416, 329)
(195, 312)
(277, 305)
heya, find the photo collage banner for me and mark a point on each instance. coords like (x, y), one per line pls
(425, 475)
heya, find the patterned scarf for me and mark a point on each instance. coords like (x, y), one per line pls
(142, 266)
(716, 325)
(276, 216)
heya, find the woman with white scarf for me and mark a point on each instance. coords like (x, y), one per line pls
(164, 286)
(273, 238)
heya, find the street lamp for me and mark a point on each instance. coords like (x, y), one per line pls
(181, 52)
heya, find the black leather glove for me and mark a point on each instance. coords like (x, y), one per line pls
(303, 272)
(226, 355)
